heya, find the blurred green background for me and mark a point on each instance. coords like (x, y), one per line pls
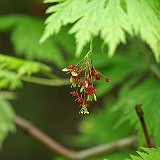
(134, 80)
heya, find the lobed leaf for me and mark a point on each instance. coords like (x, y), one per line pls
(64, 13)
(107, 18)
(89, 24)
(115, 22)
(11, 70)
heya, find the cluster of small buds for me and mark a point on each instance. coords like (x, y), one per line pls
(82, 80)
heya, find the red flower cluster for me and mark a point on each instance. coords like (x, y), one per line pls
(82, 80)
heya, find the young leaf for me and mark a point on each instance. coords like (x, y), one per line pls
(22, 66)
(63, 14)
(115, 22)
(90, 23)
(11, 70)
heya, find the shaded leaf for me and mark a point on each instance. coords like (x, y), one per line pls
(25, 35)
(6, 116)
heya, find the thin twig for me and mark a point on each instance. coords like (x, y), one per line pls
(43, 81)
(42, 137)
(141, 117)
(107, 148)
(91, 46)
(65, 152)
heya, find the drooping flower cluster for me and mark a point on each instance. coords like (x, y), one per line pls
(82, 80)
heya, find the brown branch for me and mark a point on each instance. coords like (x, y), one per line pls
(107, 148)
(42, 137)
(65, 152)
(141, 117)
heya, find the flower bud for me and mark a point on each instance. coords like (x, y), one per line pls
(93, 72)
(108, 79)
(97, 76)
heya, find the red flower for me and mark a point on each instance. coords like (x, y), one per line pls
(108, 79)
(79, 99)
(82, 83)
(93, 72)
(74, 93)
(90, 90)
(97, 75)
(85, 82)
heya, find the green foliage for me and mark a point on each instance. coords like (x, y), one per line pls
(136, 86)
(93, 131)
(6, 118)
(127, 72)
(13, 68)
(147, 94)
(147, 154)
(22, 66)
(145, 23)
(25, 34)
(122, 66)
(66, 12)
(115, 22)
(109, 19)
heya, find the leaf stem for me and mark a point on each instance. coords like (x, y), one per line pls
(91, 46)
(43, 81)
